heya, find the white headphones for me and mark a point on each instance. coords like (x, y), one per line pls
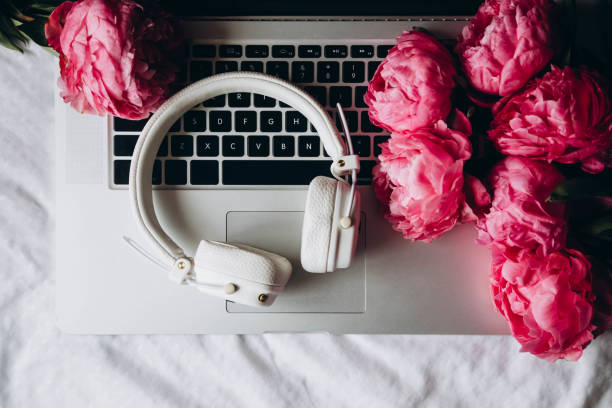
(238, 272)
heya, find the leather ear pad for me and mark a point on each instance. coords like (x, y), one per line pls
(318, 223)
(241, 262)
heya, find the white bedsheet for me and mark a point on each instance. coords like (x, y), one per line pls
(41, 367)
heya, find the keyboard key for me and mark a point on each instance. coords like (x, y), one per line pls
(181, 145)
(360, 91)
(259, 146)
(383, 50)
(372, 67)
(245, 121)
(257, 51)
(283, 51)
(309, 51)
(203, 51)
(308, 146)
(262, 101)
(204, 172)
(271, 121)
(366, 125)
(233, 146)
(302, 71)
(317, 92)
(365, 172)
(340, 94)
(121, 171)
(124, 125)
(220, 121)
(176, 172)
(351, 121)
(163, 148)
(207, 146)
(157, 172)
(239, 99)
(176, 127)
(199, 70)
(328, 71)
(195, 121)
(362, 51)
(123, 145)
(225, 66)
(252, 66)
(284, 146)
(336, 51)
(216, 102)
(361, 145)
(378, 140)
(278, 69)
(353, 71)
(273, 172)
(295, 122)
(230, 51)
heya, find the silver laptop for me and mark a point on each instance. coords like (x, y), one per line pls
(236, 168)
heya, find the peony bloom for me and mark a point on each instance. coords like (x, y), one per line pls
(420, 179)
(413, 85)
(566, 116)
(520, 217)
(506, 44)
(116, 56)
(547, 301)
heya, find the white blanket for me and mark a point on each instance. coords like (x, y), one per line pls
(42, 367)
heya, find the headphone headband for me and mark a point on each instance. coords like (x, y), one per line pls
(157, 127)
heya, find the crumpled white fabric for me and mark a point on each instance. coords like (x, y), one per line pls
(42, 367)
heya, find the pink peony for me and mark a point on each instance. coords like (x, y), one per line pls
(420, 179)
(547, 301)
(413, 85)
(519, 217)
(507, 43)
(116, 56)
(566, 116)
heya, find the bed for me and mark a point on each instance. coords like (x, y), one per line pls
(42, 367)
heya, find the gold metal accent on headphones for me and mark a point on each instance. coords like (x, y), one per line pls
(181, 265)
(262, 298)
(341, 163)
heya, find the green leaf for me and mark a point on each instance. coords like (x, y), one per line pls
(6, 42)
(582, 188)
(35, 29)
(601, 227)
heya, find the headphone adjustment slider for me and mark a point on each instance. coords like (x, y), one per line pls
(180, 271)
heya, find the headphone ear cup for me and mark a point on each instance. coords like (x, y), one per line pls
(318, 224)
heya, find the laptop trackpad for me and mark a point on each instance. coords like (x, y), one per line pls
(342, 291)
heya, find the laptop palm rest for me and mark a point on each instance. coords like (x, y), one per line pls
(342, 291)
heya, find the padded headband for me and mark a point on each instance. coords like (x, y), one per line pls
(145, 151)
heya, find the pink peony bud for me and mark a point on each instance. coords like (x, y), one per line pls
(507, 43)
(547, 301)
(116, 56)
(519, 217)
(566, 117)
(413, 85)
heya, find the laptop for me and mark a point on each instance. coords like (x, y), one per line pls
(236, 168)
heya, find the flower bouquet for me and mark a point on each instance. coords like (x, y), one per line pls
(509, 132)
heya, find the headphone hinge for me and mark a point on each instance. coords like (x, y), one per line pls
(345, 165)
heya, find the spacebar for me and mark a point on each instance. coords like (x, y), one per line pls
(273, 172)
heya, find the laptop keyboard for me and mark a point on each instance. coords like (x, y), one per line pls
(249, 140)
